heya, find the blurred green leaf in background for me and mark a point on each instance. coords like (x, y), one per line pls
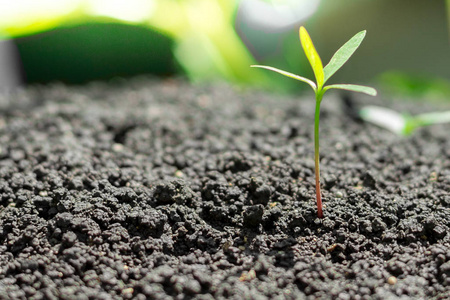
(58, 37)
(76, 41)
(207, 45)
(414, 85)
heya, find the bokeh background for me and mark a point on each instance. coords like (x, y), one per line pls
(406, 50)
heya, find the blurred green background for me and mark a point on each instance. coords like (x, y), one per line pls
(406, 50)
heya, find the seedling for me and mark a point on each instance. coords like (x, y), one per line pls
(401, 123)
(322, 75)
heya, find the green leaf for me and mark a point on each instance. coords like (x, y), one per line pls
(300, 78)
(313, 56)
(354, 88)
(343, 54)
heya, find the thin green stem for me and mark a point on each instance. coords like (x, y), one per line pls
(319, 95)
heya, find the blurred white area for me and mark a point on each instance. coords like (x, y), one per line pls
(384, 117)
(29, 11)
(275, 16)
(125, 10)
(263, 25)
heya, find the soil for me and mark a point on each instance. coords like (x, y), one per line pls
(150, 189)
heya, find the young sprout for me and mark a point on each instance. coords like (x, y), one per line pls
(401, 123)
(322, 75)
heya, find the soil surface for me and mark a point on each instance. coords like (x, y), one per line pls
(150, 189)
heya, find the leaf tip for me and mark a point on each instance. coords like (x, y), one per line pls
(363, 34)
(304, 35)
(371, 91)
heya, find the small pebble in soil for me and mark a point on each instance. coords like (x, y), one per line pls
(117, 147)
(392, 280)
(248, 276)
(179, 174)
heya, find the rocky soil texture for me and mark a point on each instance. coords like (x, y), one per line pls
(150, 189)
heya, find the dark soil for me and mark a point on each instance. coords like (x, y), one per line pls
(158, 190)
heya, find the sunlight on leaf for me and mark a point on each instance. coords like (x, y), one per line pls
(313, 56)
